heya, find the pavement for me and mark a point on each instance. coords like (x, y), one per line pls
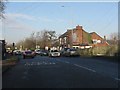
(62, 72)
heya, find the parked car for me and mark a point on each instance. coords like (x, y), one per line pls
(37, 51)
(17, 52)
(71, 52)
(29, 53)
(42, 52)
(63, 51)
(54, 53)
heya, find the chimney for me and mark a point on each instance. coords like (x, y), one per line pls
(104, 37)
(78, 27)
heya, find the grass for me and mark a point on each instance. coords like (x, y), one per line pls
(8, 63)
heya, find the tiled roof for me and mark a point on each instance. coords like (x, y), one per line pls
(96, 34)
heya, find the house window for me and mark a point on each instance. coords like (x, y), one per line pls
(65, 39)
(98, 41)
(60, 40)
(94, 41)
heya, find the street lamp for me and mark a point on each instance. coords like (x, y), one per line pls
(37, 36)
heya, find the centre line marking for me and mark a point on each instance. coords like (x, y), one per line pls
(63, 61)
(67, 62)
(85, 68)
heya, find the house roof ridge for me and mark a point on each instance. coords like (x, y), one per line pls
(96, 34)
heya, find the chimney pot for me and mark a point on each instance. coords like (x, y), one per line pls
(78, 27)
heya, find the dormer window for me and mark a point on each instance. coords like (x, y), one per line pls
(65, 39)
(60, 40)
(94, 41)
(98, 41)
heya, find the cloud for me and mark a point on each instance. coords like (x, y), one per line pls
(18, 25)
(50, 20)
(16, 21)
(19, 16)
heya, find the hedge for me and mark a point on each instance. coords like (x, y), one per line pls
(106, 51)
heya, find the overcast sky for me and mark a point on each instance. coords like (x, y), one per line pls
(23, 18)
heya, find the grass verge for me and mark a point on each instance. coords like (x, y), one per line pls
(8, 63)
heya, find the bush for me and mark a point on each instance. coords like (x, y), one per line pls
(85, 52)
(8, 63)
(104, 51)
(100, 50)
(112, 50)
(11, 59)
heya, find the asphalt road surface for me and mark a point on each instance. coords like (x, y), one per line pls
(62, 72)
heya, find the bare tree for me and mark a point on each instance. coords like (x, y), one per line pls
(2, 8)
(114, 38)
(42, 38)
(45, 38)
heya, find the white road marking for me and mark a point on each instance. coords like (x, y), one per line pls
(117, 79)
(85, 68)
(39, 63)
(45, 63)
(63, 61)
(54, 63)
(67, 62)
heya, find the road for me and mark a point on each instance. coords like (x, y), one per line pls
(62, 72)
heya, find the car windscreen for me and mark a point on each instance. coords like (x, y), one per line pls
(65, 49)
(54, 50)
(72, 49)
(37, 50)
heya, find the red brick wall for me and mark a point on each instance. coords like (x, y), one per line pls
(79, 32)
(82, 37)
(95, 36)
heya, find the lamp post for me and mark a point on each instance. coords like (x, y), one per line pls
(37, 35)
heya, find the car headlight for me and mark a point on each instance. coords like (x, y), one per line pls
(59, 54)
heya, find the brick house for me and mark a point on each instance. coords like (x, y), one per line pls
(79, 38)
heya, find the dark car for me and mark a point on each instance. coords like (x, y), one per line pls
(63, 51)
(17, 52)
(71, 52)
(29, 53)
(42, 52)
